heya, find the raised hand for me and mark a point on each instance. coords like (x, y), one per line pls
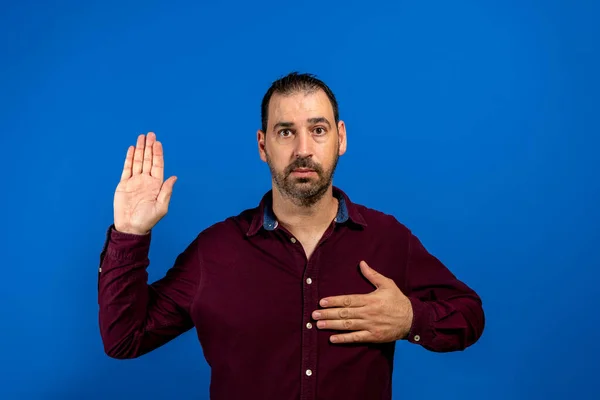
(142, 198)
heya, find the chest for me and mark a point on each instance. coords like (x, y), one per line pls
(275, 282)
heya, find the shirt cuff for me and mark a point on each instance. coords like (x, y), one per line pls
(122, 245)
(421, 331)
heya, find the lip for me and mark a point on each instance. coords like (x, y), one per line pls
(303, 172)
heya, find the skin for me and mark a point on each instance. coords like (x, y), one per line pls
(384, 315)
(301, 133)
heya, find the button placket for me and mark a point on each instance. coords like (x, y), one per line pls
(309, 282)
(309, 335)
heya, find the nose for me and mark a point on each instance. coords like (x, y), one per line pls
(303, 144)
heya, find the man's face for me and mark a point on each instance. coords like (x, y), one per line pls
(302, 144)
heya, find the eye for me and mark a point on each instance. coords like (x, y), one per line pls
(285, 133)
(319, 130)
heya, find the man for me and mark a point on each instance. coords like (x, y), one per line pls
(303, 296)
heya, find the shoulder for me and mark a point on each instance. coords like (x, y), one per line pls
(217, 243)
(387, 228)
(384, 222)
(372, 219)
(227, 231)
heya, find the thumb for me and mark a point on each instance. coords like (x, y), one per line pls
(164, 196)
(378, 280)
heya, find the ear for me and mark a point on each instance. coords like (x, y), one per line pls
(260, 138)
(342, 137)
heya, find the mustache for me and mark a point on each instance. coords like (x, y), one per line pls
(303, 163)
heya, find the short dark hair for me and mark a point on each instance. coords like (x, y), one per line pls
(296, 82)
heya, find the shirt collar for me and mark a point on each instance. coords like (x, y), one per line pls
(266, 219)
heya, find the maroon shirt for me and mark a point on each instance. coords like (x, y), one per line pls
(246, 286)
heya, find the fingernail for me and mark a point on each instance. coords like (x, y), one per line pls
(333, 339)
(317, 315)
(324, 302)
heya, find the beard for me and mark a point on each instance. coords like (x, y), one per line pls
(304, 192)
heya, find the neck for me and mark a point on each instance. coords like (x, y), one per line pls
(300, 218)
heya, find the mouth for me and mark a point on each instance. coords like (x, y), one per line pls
(303, 172)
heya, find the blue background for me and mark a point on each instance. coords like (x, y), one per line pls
(473, 122)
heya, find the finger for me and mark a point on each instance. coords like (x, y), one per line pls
(352, 300)
(164, 196)
(158, 164)
(138, 157)
(342, 324)
(373, 276)
(337, 313)
(126, 174)
(352, 337)
(147, 163)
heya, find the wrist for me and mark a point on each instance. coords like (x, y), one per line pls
(408, 319)
(129, 230)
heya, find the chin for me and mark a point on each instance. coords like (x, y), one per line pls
(304, 180)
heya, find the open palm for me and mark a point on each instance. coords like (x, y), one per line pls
(142, 198)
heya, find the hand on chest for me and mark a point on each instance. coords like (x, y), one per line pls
(253, 293)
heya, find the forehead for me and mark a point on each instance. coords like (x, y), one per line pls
(299, 106)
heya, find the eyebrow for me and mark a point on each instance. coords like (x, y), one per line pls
(315, 120)
(319, 120)
(283, 125)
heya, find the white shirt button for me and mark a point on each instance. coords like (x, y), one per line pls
(308, 372)
(293, 240)
(309, 325)
(417, 338)
(100, 270)
(308, 280)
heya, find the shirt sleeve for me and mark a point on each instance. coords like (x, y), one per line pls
(135, 317)
(447, 314)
